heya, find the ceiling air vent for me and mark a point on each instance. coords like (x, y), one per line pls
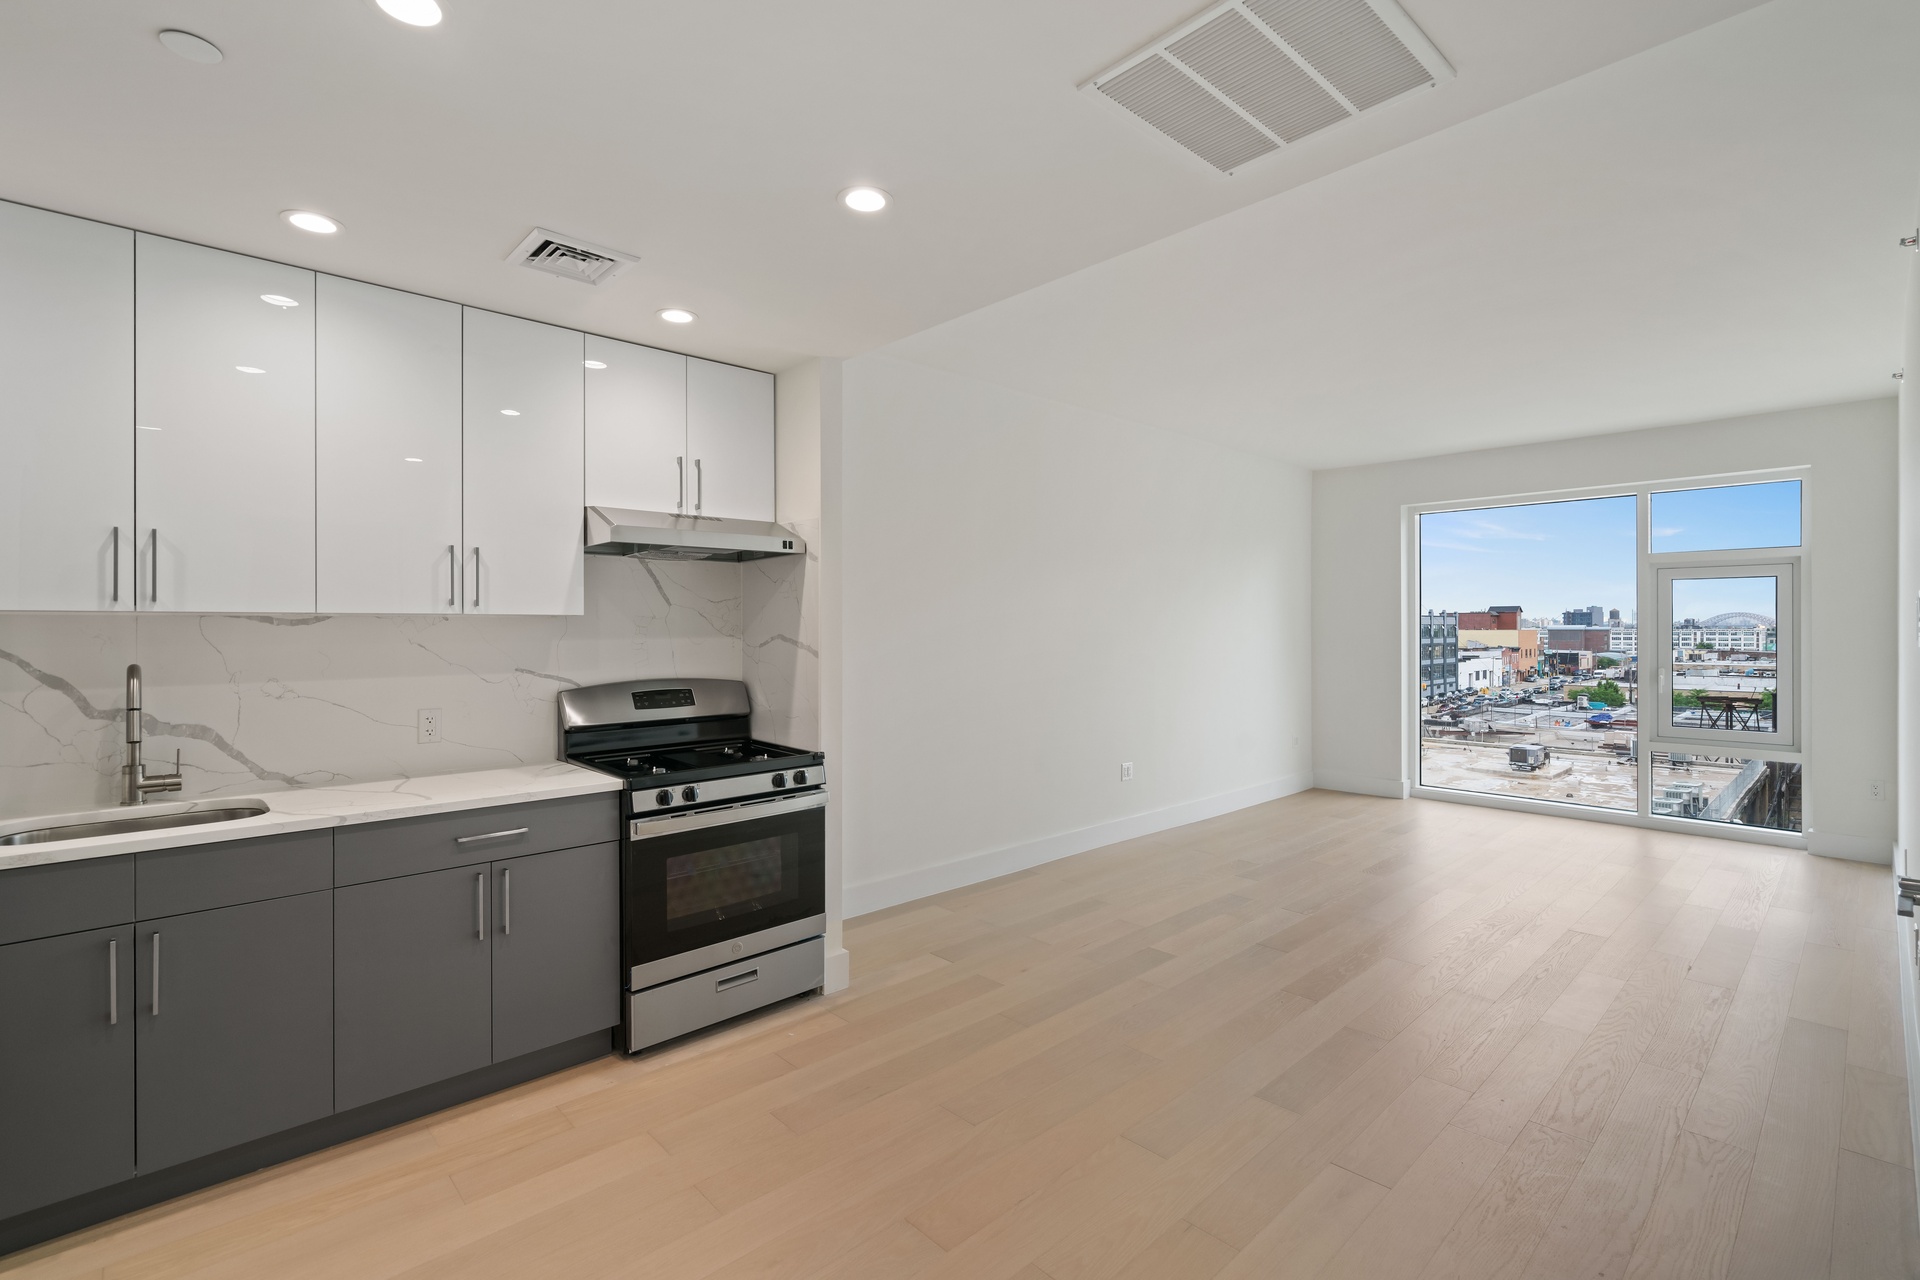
(570, 258)
(1245, 78)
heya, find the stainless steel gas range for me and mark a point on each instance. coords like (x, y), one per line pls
(722, 856)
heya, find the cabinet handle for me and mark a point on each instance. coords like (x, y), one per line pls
(113, 982)
(491, 835)
(153, 575)
(731, 981)
(699, 486)
(116, 564)
(453, 572)
(156, 975)
(476, 577)
(506, 901)
(480, 906)
(680, 503)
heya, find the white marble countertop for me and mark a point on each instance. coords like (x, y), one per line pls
(309, 809)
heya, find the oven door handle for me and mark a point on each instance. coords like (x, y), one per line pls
(667, 824)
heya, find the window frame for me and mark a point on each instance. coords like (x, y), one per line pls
(1793, 680)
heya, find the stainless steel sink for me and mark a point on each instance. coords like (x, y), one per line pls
(128, 825)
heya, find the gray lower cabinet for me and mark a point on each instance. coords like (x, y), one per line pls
(66, 1066)
(556, 954)
(413, 990)
(235, 1025)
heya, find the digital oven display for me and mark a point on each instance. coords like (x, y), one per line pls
(661, 699)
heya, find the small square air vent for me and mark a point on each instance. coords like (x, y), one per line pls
(1247, 77)
(570, 257)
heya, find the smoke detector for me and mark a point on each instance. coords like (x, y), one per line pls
(570, 257)
(1247, 78)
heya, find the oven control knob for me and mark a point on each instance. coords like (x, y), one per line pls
(690, 794)
(799, 777)
(779, 779)
(663, 797)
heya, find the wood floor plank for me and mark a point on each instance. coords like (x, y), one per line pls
(1501, 1228)
(1404, 1231)
(1874, 1235)
(1599, 1219)
(1731, 1102)
(1309, 1230)
(1874, 1120)
(1689, 1232)
(1786, 1222)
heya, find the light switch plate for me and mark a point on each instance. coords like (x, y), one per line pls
(1126, 771)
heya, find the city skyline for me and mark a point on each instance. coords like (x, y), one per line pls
(1551, 557)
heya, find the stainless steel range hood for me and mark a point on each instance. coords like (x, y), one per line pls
(658, 535)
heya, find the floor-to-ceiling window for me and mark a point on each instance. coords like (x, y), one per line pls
(1629, 651)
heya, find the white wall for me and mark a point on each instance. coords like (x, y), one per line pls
(1030, 594)
(1359, 589)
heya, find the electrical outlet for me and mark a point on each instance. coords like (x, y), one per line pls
(1877, 789)
(429, 724)
(1126, 771)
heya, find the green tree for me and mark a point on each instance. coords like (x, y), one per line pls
(1605, 693)
(1606, 663)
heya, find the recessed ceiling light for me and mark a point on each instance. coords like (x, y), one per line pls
(191, 47)
(415, 13)
(864, 199)
(677, 315)
(594, 364)
(247, 368)
(413, 459)
(149, 428)
(279, 300)
(511, 413)
(318, 223)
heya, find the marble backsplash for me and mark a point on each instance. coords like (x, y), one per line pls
(257, 703)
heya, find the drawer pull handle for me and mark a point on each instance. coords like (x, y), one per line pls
(113, 982)
(491, 835)
(156, 975)
(737, 980)
(506, 901)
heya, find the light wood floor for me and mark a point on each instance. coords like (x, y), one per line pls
(1331, 1036)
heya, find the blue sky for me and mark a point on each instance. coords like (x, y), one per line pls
(1548, 557)
(1545, 557)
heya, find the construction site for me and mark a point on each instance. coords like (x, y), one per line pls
(1597, 764)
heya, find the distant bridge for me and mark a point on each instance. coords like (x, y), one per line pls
(1738, 620)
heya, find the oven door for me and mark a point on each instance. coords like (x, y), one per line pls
(709, 886)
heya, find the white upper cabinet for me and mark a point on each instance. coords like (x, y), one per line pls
(66, 420)
(729, 441)
(524, 455)
(224, 396)
(636, 427)
(387, 448)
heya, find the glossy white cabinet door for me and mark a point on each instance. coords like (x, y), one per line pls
(387, 447)
(224, 413)
(636, 426)
(66, 418)
(524, 452)
(729, 440)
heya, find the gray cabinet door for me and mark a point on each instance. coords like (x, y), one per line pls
(413, 967)
(235, 1027)
(66, 1067)
(556, 953)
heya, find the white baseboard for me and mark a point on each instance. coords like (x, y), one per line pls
(1360, 784)
(873, 895)
(1852, 848)
(839, 971)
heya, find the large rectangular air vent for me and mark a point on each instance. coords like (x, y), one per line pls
(1247, 77)
(570, 257)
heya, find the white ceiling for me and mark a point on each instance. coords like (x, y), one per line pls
(712, 137)
(1705, 229)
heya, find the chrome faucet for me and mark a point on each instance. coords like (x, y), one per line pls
(138, 782)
